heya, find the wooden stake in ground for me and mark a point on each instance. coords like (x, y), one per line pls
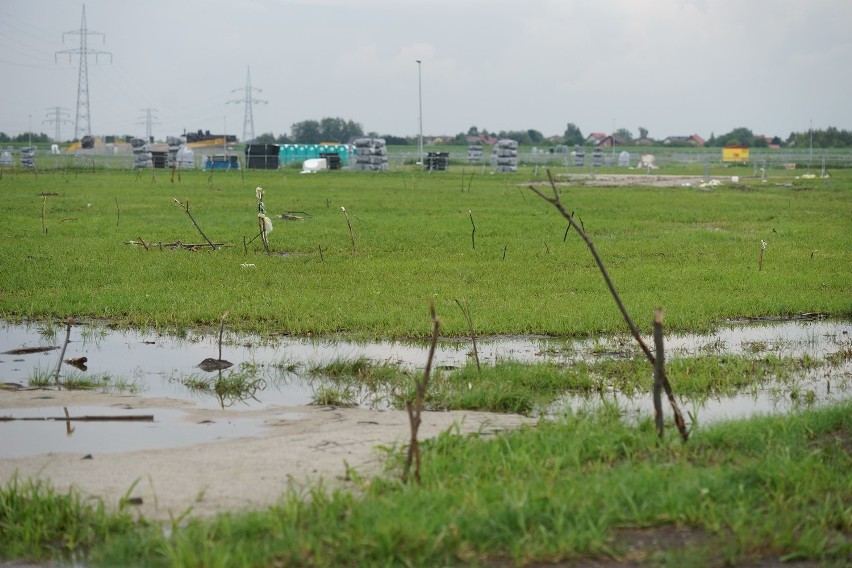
(415, 409)
(43, 203)
(349, 224)
(264, 223)
(659, 370)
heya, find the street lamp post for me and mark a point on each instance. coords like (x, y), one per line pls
(420, 101)
(811, 154)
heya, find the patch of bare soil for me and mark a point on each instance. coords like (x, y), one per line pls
(299, 445)
(635, 179)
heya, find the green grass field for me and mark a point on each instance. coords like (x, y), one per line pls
(585, 486)
(694, 252)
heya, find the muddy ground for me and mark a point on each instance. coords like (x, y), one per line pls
(644, 179)
(297, 445)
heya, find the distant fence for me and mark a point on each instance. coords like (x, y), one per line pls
(457, 157)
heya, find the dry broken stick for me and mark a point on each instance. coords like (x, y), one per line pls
(466, 311)
(634, 331)
(69, 323)
(185, 207)
(349, 224)
(415, 409)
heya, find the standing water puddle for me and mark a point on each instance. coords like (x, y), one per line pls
(147, 364)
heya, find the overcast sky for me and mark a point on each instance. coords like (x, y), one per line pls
(675, 67)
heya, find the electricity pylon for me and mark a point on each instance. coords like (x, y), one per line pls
(57, 116)
(83, 119)
(248, 100)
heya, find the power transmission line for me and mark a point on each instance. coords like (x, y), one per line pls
(83, 51)
(57, 116)
(248, 119)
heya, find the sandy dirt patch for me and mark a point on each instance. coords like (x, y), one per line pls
(638, 179)
(297, 445)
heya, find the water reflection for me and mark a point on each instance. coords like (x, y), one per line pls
(275, 372)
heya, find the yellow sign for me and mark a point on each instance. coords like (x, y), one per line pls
(735, 154)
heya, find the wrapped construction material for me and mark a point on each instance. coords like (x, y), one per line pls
(370, 154)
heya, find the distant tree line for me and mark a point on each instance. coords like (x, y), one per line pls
(24, 138)
(345, 131)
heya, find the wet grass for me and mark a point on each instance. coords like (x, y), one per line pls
(586, 486)
(79, 380)
(693, 252)
(229, 387)
(533, 388)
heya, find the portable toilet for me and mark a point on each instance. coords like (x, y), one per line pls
(343, 151)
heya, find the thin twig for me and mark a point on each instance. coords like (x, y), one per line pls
(68, 325)
(185, 207)
(556, 203)
(415, 409)
(466, 311)
(349, 224)
(221, 331)
(473, 232)
(568, 228)
(117, 213)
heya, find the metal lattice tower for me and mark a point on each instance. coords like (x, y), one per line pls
(148, 122)
(57, 116)
(248, 119)
(83, 119)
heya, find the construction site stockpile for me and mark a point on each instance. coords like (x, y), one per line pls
(371, 154)
(504, 156)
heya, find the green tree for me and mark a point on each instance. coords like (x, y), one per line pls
(339, 130)
(307, 132)
(573, 136)
(738, 136)
(26, 137)
(265, 138)
(625, 135)
(643, 132)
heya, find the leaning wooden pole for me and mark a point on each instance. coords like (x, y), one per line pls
(185, 207)
(634, 331)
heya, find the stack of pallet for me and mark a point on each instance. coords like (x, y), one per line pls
(504, 156)
(141, 155)
(28, 157)
(474, 153)
(370, 154)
